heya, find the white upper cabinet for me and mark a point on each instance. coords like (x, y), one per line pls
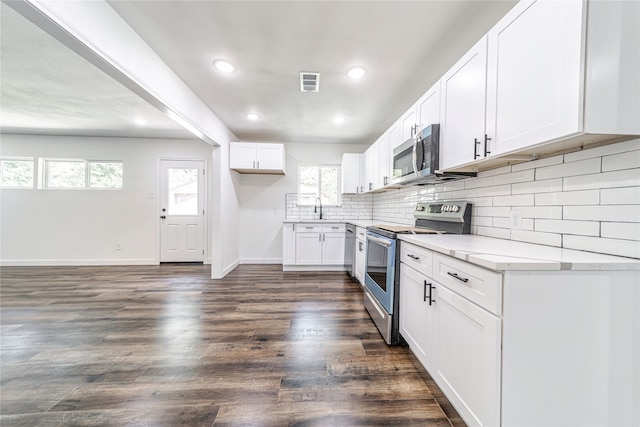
(428, 107)
(462, 109)
(534, 65)
(384, 161)
(408, 124)
(262, 158)
(550, 76)
(352, 173)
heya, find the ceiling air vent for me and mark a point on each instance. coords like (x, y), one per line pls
(309, 82)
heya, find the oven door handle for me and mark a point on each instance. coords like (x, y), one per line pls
(379, 240)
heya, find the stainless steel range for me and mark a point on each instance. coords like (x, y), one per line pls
(383, 258)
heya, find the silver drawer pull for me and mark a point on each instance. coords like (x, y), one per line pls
(412, 256)
(455, 275)
(309, 228)
(335, 228)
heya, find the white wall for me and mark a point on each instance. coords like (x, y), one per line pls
(587, 200)
(262, 199)
(75, 227)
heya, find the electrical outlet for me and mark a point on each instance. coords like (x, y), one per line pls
(118, 246)
(515, 220)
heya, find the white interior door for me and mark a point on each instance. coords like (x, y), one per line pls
(181, 210)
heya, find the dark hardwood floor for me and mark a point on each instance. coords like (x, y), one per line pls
(166, 346)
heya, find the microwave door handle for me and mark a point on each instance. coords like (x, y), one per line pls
(414, 158)
(379, 241)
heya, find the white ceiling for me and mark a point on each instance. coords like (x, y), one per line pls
(404, 45)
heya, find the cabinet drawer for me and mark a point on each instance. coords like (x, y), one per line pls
(361, 233)
(481, 286)
(334, 228)
(419, 258)
(308, 228)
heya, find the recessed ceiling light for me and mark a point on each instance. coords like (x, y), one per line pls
(356, 72)
(139, 121)
(224, 66)
(338, 120)
(252, 116)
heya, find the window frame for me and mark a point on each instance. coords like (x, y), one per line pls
(319, 189)
(20, 159)
(44, 172)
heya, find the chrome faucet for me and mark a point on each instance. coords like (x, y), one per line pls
(315, 207)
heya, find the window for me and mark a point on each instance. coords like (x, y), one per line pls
(16, 172)
(78, 174)
(319, 181)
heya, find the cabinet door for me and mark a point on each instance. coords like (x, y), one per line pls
(468, 358)
(428, 107)
(333, 248)
(407, 124)
(288, 244)
(534, 82)
(384, 161)
(270, 156)
(242, 155)
(309, 248)
(462, 110)
(350, 173)
(417, 315)
(369, 168)
(394, 136)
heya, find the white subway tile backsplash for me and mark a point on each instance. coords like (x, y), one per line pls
(511, 178)
(500, 233)
(549, 239)
(621, 230)
(623, 178)
(628, 248)
(505, 170)
(493, 211)
(516, 200)
(544, 186)
(620, 196)
(620, 213)
(565, 200)
(583, 228)
(588, 197)
(605, 150)
(583, 167)
(630, 160)
(555, 160)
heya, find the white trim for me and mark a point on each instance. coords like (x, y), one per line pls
(314, 268)
(260, 260)
(75, 262)
(228, 269)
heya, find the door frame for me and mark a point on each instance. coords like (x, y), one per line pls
(205, 203)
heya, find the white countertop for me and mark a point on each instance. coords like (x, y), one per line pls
(357, 222)
(502, 255)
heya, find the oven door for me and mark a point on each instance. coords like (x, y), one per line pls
(380, 268)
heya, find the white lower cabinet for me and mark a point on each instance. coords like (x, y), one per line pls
(525, 347)
(456, 340)
(417, 315)
(467, 360)
(314, 244)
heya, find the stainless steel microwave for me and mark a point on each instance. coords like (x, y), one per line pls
(417, 158)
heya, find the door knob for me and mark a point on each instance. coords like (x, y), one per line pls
(163, 216)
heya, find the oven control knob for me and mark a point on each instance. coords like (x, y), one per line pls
(456, 208)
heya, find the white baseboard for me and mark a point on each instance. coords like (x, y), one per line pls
(313, 268)
(260, 260)
(228, 269)
(74, 262)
